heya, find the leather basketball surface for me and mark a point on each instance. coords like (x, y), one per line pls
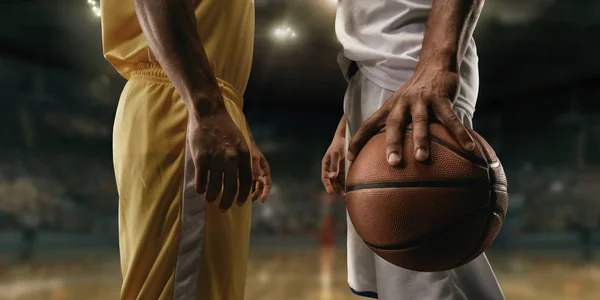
(430, 216)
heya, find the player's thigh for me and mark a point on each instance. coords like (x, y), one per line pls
(225, 249)
(226, 240)
(148, 154)
(398, 283)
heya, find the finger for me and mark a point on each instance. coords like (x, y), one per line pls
(342, 177)
(244, 175)
(266, 179)
(325, 179)
(368, 129)
(258, 189)
(256, 167)
(420, 131)
(334, 164)
(256, 183)
(215, 183)
(394, 133)
(337, 187)
(230, 181)
(444, 112)
(267, 188)
(327, 184)
(201, 175)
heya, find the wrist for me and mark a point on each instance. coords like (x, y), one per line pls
(206, 104)
(442, 58)
(341, 129)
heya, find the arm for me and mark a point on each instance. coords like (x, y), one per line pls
(169, 27)
(341, 129)
(449, 28)
(433, 86)
(218, 149)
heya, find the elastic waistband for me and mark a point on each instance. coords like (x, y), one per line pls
(153, 72)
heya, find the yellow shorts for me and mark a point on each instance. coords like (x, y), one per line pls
(173, 244)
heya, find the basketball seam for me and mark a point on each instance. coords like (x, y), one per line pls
(422, 240)
(411, 184)
(493, 204)
(471, 158)
(499, 188)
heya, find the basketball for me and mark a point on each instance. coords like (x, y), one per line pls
(427, 216)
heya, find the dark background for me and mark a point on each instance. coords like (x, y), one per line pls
(538, 106)
(538, 103)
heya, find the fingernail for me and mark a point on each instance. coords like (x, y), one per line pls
(469, 146)
(331, 174)
(421, 153)
(393, 158)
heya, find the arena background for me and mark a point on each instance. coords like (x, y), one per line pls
(538, 106)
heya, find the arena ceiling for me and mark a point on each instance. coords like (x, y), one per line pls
(524, 48)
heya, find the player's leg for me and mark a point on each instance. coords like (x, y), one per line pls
(223, 264)
(148, 153)
(173, 245)
(360, 259)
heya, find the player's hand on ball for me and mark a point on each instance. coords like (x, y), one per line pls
(261, 175)
(430, 89)
(221, 156)
(333, 167)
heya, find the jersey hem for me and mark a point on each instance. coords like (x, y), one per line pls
(366, 294)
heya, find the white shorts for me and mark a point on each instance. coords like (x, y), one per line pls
(371, 276)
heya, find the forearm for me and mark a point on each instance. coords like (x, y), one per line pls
(249, 131)
(449, 28)
(341, 129)
(170, 29)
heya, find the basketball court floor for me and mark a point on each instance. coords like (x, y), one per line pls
(290, 274)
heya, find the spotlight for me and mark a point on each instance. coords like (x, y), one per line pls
(95, 7)
(282, 33)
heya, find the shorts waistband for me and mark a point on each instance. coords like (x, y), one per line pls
(154, 72)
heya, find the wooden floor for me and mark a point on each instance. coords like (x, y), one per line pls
(288, 274)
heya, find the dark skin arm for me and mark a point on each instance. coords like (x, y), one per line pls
(432, 88)
(218, 148)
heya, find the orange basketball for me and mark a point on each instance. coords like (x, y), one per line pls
(431, 216)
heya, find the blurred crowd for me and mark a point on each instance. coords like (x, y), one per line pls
(60, 193)
(71, 193)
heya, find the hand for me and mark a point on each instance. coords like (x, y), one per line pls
(261, 174)
(430, 87)
(333, 169)
(219, 150)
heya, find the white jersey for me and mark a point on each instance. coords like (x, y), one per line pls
(370, 275)
(384, 38)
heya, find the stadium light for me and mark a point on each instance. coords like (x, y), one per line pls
(95, 7)
(282, 33)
